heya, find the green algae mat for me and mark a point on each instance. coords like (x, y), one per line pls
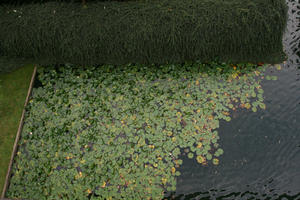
(13, 91)
(117, 132)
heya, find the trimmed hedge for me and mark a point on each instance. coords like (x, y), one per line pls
(32, 1)
(22, 2)
(155, 32)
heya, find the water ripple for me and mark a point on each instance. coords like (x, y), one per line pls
(261, 150)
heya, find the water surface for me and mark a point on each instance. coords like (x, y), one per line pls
(261, 157)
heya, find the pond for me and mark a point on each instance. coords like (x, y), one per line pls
(136, 132)
(261, 150)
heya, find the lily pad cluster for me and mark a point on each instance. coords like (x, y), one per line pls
(117, 132)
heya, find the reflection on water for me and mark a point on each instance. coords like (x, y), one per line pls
(261, 150)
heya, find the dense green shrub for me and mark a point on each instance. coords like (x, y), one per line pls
(19, 2)
(9, 65)
(157, 32)
(22, 2)
(117, 132)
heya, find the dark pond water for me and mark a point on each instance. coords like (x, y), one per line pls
(261, 157)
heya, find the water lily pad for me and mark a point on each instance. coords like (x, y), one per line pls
(190, 155)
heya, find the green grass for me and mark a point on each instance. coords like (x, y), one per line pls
(13, 91)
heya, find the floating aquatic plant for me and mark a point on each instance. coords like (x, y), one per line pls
(113, 133)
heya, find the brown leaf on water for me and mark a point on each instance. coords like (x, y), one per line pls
(226, 113)
(260, 63)
(182, 123)
(211, 117)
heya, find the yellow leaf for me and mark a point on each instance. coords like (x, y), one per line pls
(247, 105)
(256, 73)
(200, 159)
(197, 82)
(226, 113)
(78, 176)
(215, 161)
(278, 67)
(103, 185)
(235, 75)
(164, 180)
(199, 145)
(173, 170)
(173, 139)
(89, 191)
(197, 127)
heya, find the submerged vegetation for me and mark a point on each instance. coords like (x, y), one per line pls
(113, 133)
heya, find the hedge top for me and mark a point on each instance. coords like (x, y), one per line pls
(144, 32)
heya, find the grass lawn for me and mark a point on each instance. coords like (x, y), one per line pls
(13, 91)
